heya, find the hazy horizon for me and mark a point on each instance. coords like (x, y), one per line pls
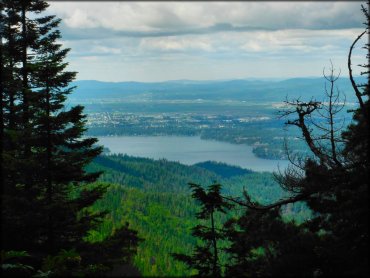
(217, 80)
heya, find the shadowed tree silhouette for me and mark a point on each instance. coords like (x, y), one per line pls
(205, 258)
(333, 181)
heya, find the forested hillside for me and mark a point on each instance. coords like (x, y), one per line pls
(154, 197)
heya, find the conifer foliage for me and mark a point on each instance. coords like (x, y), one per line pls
(43, 151)
(205, 258)
(333, 182)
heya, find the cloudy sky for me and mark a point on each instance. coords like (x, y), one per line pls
(156, 41)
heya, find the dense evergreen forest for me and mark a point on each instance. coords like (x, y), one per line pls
(68, 210)
(153, 196)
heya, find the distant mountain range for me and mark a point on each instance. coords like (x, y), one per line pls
(241, 89)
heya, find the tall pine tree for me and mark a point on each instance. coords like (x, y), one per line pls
(206, 257)
(44, 153)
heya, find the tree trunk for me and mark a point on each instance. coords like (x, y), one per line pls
(214, 243)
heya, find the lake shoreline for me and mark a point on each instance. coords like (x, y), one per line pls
(189, 150)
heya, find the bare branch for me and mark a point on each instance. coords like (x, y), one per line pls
(357, 91)
(291, 159)
(304, 109)
(251, 205)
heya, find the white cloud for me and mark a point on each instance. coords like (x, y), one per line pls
(90, 58)
(126, 16)
(188, 43)
(80, 18)
(164, 16)
(325, 41)
(206, 40)
(285, 42)
(105, 50)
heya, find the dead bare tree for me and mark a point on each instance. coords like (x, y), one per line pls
(321, 126)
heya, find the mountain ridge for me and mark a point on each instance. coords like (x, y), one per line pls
(235, 89)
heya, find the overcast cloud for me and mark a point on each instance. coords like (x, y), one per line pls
(154, 41)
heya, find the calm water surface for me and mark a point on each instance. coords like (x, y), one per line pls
(189, 150)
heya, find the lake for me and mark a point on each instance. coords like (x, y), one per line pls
(189, 150)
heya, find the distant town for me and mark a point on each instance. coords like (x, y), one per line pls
(167, 121)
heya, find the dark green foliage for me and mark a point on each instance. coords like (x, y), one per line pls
(163, 219)
(264, 245)
(65, 262)
(205, 258)
(211, 200)
(222, 169)
(167, 176)
(45, 140)
(144, 173)
(14, 263)
(116, 249)
(163, 212)
(43, 151)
